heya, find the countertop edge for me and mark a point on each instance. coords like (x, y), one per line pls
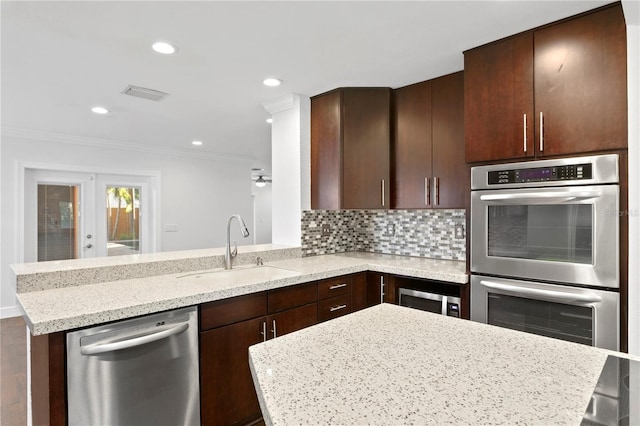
(50, 323)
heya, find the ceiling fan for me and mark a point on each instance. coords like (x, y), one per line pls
(260, 179)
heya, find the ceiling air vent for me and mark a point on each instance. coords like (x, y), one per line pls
(144, 93)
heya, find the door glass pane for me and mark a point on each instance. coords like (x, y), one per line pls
(556, 233)
(123, 220)
(566, 322)
(57, 222)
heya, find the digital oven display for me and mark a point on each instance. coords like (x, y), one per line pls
(541, 174)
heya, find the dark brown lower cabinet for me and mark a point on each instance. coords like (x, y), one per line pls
(226, 387)
(227, 393)
(380, 289)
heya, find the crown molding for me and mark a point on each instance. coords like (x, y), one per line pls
(37, 135)
(281, 104)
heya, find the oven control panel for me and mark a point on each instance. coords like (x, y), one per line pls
(571, 172)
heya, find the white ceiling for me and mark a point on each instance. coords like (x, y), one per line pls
(61, 58)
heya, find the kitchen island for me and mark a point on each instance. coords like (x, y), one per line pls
(394, 365)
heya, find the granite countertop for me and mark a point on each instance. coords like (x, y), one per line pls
(394, 365)
(64, 303)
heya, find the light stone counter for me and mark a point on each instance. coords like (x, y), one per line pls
(391, 365)
(61, 308)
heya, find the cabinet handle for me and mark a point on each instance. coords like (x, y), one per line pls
(337, 308)
(264, 331)
(333, 287)
(382, 192)
(524, 133)
(381, 288)
(436, 189)
(541, 132)
(273, 331)
(427, 191)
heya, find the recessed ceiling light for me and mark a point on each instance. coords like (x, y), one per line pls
(100, 110)
(271, 82)
(196, 143)
(269, 120)
(164, 48)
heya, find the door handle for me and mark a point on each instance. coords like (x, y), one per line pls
(550, 295)
(524, 133)
(543, 196)
(541, 132)
(88, 246)
(427, 191)
(130, 343)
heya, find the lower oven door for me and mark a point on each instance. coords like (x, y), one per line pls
(574, 314)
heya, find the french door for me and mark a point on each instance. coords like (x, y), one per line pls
(73, 215)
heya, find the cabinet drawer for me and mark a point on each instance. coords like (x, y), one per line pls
(334, 287)
(334, 307)
(229, 311)
(290, 297)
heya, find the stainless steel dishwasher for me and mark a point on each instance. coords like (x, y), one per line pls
(142, 371)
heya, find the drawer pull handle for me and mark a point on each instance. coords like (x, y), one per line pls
(333, 287)
(337, 308)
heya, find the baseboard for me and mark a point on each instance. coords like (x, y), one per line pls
(11, 311)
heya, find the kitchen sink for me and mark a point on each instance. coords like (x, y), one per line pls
(251, 273)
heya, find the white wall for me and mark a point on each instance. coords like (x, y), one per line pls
(290, 141)
(632, 17)
(262, 214)
(197, 194)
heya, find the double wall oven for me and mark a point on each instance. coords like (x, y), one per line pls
(545, 248)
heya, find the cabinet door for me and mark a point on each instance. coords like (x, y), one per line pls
(366, 155)
(498, 100)
(227, 393)
(450, 172)
(412, 147)
(581, 84)
(326, 146)
(359, 291)
(378, 289)
(292, 320)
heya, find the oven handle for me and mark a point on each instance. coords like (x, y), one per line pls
(546, 294)
(556, 196)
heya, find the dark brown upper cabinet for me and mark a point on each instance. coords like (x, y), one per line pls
(560, 89)
(429, 169)
(350, 149)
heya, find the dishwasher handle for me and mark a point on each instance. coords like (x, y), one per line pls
(130, 343)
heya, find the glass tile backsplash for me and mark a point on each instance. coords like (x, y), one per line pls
(424, 233)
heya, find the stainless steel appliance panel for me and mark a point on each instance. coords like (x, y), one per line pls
(568, 234)
(575, 314)
(604, 170)
(141, 371)
(430, 302)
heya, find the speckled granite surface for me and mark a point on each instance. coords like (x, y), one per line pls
(390, 365)
(66, 308)
(69, 273)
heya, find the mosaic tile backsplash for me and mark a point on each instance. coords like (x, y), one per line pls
(424, 233)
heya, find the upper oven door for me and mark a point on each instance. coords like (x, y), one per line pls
(567, 234)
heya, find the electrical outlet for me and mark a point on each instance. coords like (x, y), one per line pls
(326, 229)
(170, 227)
(391, 229)
(459, 232)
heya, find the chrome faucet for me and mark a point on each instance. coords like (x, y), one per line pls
(228, 254)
